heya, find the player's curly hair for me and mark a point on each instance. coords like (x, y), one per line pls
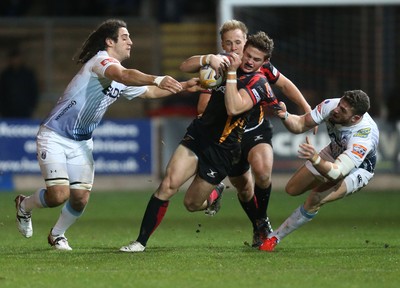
(262, 42)
(358, 100)
(97, 39)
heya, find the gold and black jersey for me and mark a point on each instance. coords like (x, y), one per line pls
(227, 131)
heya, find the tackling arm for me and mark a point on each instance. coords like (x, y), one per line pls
(154, 92)
(134, 77)
(290, 90)
(193, 64)
(333, 171)
(295, 123)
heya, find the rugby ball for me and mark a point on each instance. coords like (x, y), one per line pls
(208, 79)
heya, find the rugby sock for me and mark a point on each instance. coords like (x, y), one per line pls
(262, 196)
(152, 217)
(36, 200)
(251, 210)
(67, 217)
(298, 218)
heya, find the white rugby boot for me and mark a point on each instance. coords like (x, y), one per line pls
(23, 219)
(134, 246)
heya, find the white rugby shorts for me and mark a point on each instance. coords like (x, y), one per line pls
(60, 157)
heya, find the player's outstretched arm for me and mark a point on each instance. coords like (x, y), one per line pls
(217, 62)
(295, 123)
(134, 77)
(153, 92)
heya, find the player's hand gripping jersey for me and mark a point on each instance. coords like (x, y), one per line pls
(86, 99)
(359, 141)
(217, 126)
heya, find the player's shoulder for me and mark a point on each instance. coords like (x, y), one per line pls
(254, 76)
(102, 58)
(270, 71)
(327, 105)
(366, 128)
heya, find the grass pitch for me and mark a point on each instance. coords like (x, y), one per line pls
(353, 242)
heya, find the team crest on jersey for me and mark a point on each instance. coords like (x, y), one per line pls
(359, 150)
(43, 155)
(108, 60)
(359, 179)
(363, 133)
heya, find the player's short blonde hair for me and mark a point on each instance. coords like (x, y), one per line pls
(233, 25)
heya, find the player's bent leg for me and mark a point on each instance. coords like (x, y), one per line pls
(261, 159)
(197, 194)
(244, 186)
(40, 199)
(181, 167)
(298, 218)
(302, 180)
(56, 194)
(79, 197)
(325, 194)
(70, 213)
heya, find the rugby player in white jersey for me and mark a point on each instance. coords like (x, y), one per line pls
(343, 167)
(64, 140)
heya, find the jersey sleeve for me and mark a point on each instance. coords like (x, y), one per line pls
(131, 92)
(259, 90)
(102, 63)
(322, 110)
(270, 72)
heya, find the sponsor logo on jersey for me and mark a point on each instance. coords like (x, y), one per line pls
(111, 92)
(211, 174)
(188, 137)
(258, 137)
(221, 88)
(275, 71)
(359, 179)
(363, 133)
(359, 150)
(43, 154)
(69, 106)
(256, 95)
(105, 62)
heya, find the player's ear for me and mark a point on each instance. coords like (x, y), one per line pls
(109, 42)
(355, 118)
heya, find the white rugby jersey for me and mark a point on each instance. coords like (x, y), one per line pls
(85, 100)
(359, 142)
